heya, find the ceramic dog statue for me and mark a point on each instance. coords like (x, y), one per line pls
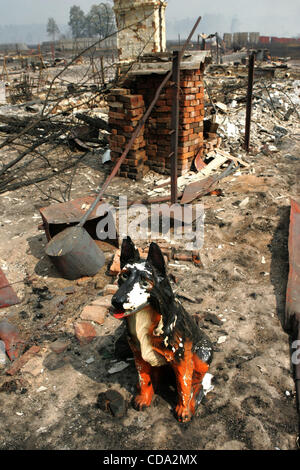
(160, 331)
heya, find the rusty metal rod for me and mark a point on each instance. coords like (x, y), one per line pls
(136, 132)
(249, 101)
(182, 51)
(297, 373)
(102, 70)
(174, 125)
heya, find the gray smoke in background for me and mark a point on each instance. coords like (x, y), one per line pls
(269, 17)
(25, 20)
(267, 26)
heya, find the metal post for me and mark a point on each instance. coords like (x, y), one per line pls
(217, 43)
(102, 69)
(174, 125)
(249, 101)
(52, 51)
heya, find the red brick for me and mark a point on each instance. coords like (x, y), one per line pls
(84, 332)
(95, 313)
(116, 147)
(132, 101)
(14, 344)
(128, 128)
(111, 98)
(164, 109)
(115, 115)
(138, 146)
(117, 139)
(119, 91)
(187, 120)
(115, 266)
(152, 147)
(185, 132)
(132, 113)
(187, 84)
(19, 363)
(115, 122)
(166, 120)
(195, 113)
(189, 109)
(184, 138)
(151, 153)
(190, 97)
(115, 105)
(102, 300)
(163, 131)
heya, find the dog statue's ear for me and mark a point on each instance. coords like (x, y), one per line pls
(155, 257)
(128, 252)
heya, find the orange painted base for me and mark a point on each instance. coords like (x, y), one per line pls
(189, 372)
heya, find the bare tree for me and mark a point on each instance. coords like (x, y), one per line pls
(100, 21)
(77, 22)
(52, 28)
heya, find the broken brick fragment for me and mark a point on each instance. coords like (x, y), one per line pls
(102, 301)
(115, 265)
(94, 313)
(110, 289)
(19, 363)
(84, 332)
(83, 280)
(14, 344)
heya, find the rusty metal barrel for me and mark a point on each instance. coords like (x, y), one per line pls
(75, 254)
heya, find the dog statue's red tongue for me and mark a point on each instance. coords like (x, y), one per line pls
(118, 315)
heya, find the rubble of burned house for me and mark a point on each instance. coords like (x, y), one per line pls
(74, 141)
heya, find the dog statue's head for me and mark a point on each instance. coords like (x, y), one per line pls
(138, 279)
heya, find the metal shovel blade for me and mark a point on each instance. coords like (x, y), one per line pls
(196, 189)
(205, 185)
(74, 253)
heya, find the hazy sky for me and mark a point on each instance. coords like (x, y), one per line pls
(273, 17)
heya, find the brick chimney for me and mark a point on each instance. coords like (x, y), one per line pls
(152, 149)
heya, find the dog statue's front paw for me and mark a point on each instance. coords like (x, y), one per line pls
(183, 413)
(142, 401)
